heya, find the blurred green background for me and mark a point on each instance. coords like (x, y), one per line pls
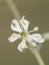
(37, 12)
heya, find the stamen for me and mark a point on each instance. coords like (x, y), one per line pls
(34, 29)
(34, 44)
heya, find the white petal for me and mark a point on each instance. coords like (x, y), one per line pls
(29, 39)
(37, 38)
(24, 23)
(13, 37)
(15, 26)
(22, 45)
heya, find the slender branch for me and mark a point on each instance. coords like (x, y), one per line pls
(14, 9)
(38, 57)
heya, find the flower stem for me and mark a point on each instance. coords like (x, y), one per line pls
(38, 57)
(14, 9)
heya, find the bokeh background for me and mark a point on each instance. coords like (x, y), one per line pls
(37, 12)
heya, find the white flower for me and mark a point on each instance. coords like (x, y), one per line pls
(46, 35)
(22, 28)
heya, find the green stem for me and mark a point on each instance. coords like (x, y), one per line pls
(14, 9)
(38, 57)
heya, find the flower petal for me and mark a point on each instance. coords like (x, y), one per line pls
(13, 37)
(15, 26)
(37, 38)
(22, 45)
(24, 23)
(28, 38)
(31, 42)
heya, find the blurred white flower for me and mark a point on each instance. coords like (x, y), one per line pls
(46, 35)
(22, 28)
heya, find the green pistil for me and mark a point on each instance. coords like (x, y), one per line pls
(23, 34)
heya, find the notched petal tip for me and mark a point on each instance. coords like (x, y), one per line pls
(15, 26)
(10, 40)
(13, 37)
(41, 40)
(37, 38)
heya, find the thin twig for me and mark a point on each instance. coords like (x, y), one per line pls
(38, 57)
(14, 9)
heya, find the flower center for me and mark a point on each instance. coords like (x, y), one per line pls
(23, 34)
